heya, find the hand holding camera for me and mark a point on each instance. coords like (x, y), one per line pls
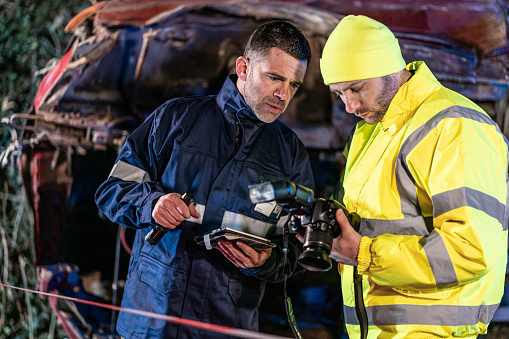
(315, 220)
(345, 247)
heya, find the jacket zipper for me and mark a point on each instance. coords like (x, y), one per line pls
(237, 143)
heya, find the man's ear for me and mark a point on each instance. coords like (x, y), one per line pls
(241, 67)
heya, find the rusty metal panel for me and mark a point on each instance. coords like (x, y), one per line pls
(138, 54)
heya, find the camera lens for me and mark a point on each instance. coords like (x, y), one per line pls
(317, 246)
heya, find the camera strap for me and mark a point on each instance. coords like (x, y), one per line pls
(288, 302)
(360, 309)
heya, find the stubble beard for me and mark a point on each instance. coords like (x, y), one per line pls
(383, 100)
(259, 107)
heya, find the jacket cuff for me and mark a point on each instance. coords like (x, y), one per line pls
(146, 210)
(364, 256)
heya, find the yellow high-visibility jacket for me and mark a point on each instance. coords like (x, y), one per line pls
(430, 184)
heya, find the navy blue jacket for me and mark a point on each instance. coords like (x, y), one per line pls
(189, 144)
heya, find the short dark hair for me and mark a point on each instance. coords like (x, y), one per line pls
(282, 35)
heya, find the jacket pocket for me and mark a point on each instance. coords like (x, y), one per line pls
(164, 279)
(269, 211)
(246, 293)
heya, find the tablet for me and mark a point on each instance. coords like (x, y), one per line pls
(209, 240)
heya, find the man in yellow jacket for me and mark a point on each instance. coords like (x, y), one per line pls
(426, 171)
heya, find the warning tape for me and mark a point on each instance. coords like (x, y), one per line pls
(206, 326)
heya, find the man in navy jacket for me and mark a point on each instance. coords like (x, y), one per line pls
(214, 147)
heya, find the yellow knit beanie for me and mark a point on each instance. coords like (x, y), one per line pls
(360, 48)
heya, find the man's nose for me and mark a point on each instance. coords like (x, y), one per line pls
(282, 93)
(351, 104)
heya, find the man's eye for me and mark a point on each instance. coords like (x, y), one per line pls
(296, 86)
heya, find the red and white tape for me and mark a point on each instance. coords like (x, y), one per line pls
(187, 322)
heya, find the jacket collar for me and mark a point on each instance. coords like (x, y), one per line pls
(408, 98)
(229, 98)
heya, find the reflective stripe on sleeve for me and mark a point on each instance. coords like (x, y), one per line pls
(127, 172)
(418, 225)
(439, 260)
(404, 180)
(464, 196)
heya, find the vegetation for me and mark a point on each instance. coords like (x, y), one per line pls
(32, 38)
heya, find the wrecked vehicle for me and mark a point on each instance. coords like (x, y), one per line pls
(128, 57)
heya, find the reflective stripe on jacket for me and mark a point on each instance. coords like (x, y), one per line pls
(188, 144)
(430, 184)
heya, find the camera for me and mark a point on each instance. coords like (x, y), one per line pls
(314, 218)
